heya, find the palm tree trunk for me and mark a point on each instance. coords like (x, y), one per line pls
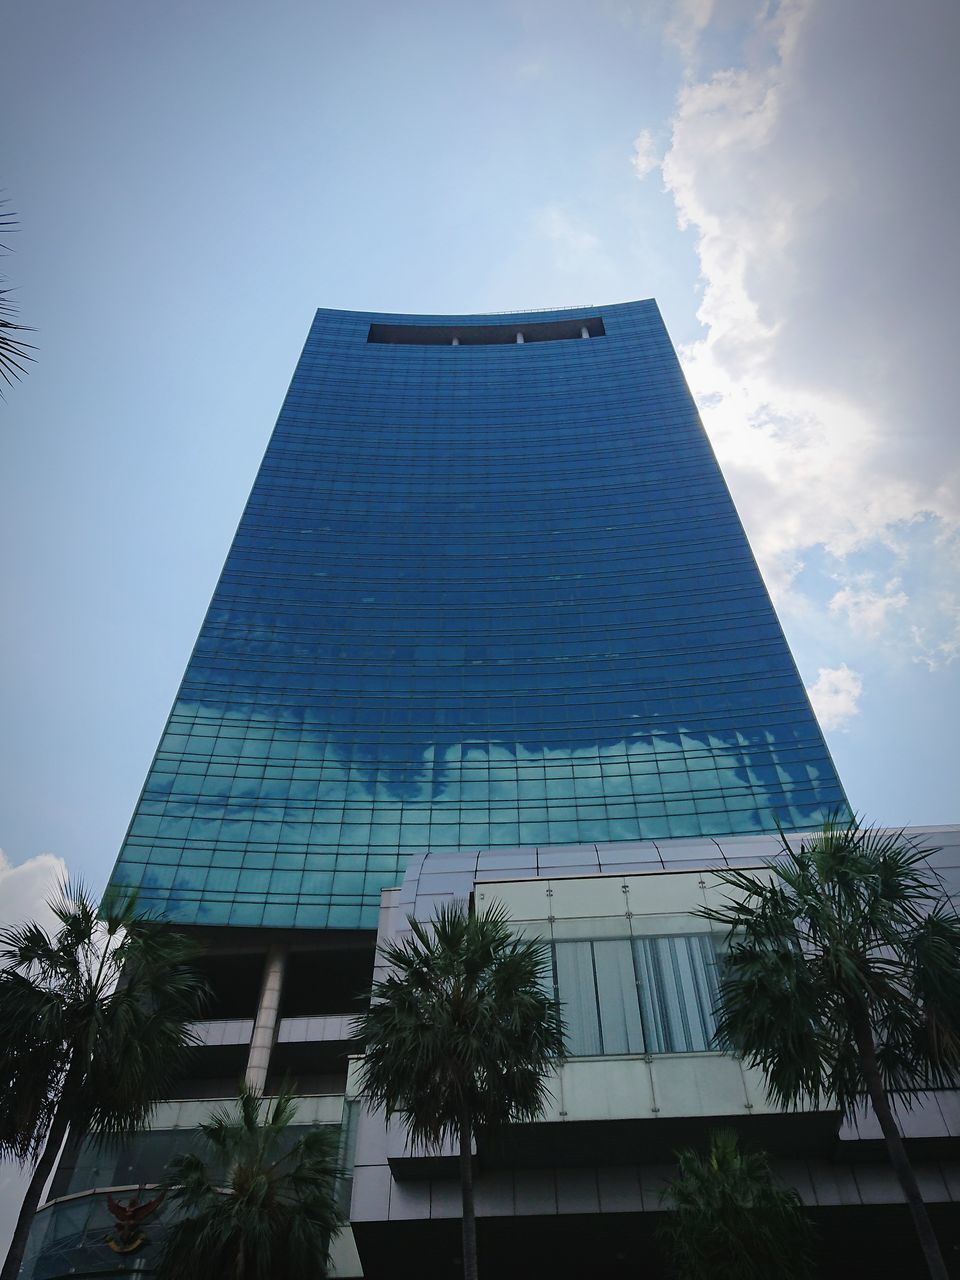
(469, 1212)
(895, 1149)
(38, 1180)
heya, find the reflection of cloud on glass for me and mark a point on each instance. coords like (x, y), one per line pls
(289, 827)
(657, 784)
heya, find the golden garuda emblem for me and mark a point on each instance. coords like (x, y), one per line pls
(127, 1236)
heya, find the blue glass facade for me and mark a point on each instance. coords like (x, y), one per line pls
(483, 594)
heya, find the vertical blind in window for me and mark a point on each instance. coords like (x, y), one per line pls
(646, 995)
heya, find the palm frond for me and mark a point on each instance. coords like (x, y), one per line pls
(730, 1221)
(263, 1200)
(847, 919)
(14, 351)
(69, 1021)
(933, 959)
(461, 1025)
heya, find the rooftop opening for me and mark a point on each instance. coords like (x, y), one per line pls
(486, 335)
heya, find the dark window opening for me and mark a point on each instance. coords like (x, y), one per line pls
(234, 984)
(485, 335)
(319, 983)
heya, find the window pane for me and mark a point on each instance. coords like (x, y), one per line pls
(705, 971)
(678, 992)
(617, 989)
(578, 999)
(650, 987)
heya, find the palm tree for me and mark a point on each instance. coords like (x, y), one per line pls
(730, 1222)
(460, 1035)
(843, 977)
(267, 1210)
(13, 350)
(93, 1028)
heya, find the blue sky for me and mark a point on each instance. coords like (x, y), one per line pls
(193, 180)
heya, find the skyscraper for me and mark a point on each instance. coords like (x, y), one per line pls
(489, 590)
(489, 615)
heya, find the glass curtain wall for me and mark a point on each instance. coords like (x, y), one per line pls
(485, 593)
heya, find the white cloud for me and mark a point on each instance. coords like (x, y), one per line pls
(575, 257)
(836, 696)
(814, 179)
(934, 652)
(868, 610)
(571, 240)
(645, 155)
(558, 261)
(688, 18)
(534, 68)
(25, 888)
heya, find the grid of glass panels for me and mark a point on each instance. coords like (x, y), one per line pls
(481, 595)
(639, 995)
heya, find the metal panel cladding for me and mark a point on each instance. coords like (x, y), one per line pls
(485, 592)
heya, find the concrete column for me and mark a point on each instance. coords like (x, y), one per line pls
(267, 1020)
(583, 331)
(519, 335)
